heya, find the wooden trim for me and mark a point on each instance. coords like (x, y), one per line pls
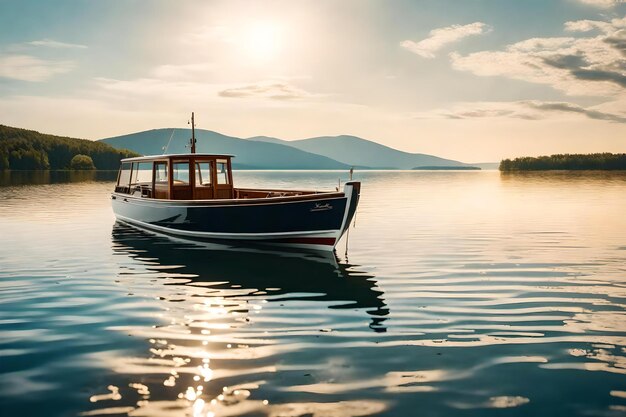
(214, 175)
(170, 178)
(192, 174)
(230, 175)
(154, 164)
(275, 190)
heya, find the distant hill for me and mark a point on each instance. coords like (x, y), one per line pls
(263, 152)
(352, 150)
(22, 149)
(249, 154)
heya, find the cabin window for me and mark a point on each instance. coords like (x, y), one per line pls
(142, 173)
(124, 178)
(160, 173)
(180, 172)
(161, 179)
(222, 171)
(203, 174)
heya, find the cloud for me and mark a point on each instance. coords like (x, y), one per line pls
(573, 108)
(604, 4)
(525, 109)
(618, 41)
(588, 25)
(275, 90)
(50, 43)
(30, 68)
(150, 92)
(438, 38)
(588, 65)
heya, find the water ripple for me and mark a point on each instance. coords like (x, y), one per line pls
(474, 294)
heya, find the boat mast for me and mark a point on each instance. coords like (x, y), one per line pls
(193, 135)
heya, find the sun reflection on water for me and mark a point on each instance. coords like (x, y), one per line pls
(205, 325)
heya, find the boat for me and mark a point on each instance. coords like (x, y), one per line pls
(192, 195)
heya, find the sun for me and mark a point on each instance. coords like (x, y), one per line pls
(263, 41)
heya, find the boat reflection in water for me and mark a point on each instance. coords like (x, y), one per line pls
(235, 324)
(313, 275)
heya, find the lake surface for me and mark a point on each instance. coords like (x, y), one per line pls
(461, 294)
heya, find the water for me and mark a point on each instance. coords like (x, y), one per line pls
(462, 294)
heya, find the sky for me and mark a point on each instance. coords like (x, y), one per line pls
(471, 80)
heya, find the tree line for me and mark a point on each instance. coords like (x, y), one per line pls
(22, 149)
(594, 161)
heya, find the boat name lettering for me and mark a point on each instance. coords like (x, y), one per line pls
(322, 207)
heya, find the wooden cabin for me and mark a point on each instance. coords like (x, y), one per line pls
(177, 177)
(188, 177)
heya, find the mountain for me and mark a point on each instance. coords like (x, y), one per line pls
(249, 154)
(352, 150)
(22, 149)
(264, 152)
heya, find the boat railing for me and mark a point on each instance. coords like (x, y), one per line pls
(268, 193)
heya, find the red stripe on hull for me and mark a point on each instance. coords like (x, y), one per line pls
(329, 241)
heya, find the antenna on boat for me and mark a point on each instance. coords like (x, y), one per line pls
(164, 149)
(193, 134)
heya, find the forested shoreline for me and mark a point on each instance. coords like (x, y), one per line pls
(578, 162)
(22, 149)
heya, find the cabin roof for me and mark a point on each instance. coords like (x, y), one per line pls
(177, 155)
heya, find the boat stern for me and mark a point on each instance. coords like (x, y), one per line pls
(352, 190)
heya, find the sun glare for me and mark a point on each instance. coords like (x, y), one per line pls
(263, 41)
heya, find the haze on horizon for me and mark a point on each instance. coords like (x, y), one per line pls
(468, 80)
